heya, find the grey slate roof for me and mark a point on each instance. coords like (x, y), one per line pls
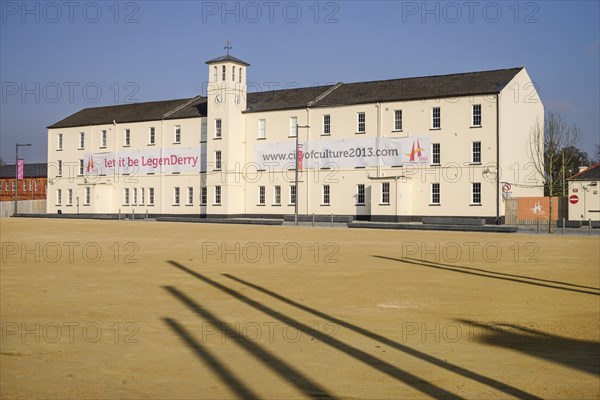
(428, 87)
(228, 58)
(136, 112)
(455, 85)
(590, 174)
(283, 99)
(33, 170)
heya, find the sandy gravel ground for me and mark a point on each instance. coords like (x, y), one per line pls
(131, 310)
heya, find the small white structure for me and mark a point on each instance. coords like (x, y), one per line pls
(584, 200)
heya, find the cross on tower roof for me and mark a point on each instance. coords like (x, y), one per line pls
(227, 46)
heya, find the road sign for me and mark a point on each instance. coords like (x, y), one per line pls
(506, 187)
(573, 199)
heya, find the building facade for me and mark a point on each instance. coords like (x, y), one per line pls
(395, 150)
(31, 187)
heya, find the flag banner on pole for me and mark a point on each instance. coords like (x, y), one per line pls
(300, 158)
(20, 169)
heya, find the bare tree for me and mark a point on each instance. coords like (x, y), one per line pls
(547, 150)
(596, 157)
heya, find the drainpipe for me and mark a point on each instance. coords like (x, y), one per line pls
(497, 159)
(378, 105)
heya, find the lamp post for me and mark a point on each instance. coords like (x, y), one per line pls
(296, 179)
(17, 174)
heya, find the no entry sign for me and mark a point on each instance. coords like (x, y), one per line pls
(573, 199)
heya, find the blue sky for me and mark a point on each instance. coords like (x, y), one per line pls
(57, 57)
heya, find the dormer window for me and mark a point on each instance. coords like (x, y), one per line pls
(223, 73)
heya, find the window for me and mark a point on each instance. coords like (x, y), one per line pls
(327, 124)
(233, 74)
(397, 120)
(81, 167)
(215, 73)
(142, 196)
(218, 160)
(360, 128)
(223, 73)
(69, 197)
(385, 193)
(103, 138)
(293, 126)
(81, 140)
(436, 118)
(476, 190)
(127, 137)
(176, 194)
(240, 74)
(58, 197)
(177, 137)
(59, 168)
(262, 128)
(476, 114)
(134, 197)
(293, 194)
(435, 154)
(150, 196)
(203, 195)
(88, 196)
(218, 128)
(217, 195)
(59, 141)
(14, 185)
(261, 195)
(190, 197)
(360, 195)
(435, 193)
(476, 153)
(326, 195)
(126, 196)
(152, 136)
(277, 195)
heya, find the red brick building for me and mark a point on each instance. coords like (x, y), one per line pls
(31, 187)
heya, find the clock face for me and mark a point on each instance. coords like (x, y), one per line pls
(218, 99)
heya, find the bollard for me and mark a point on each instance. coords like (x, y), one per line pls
(119, 214)
(538, 226)
(590, 227)
(332, 220)
(133, 215)
(563, 226)
(313, 222)
(146, 214)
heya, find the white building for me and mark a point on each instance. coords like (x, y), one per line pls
(382, 150)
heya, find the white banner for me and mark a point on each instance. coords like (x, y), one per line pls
(155, 160)
(348, 153)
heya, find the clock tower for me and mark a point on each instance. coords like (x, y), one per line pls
(225, 146)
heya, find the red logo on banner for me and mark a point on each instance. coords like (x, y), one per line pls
(415, 151)
(20, 169)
